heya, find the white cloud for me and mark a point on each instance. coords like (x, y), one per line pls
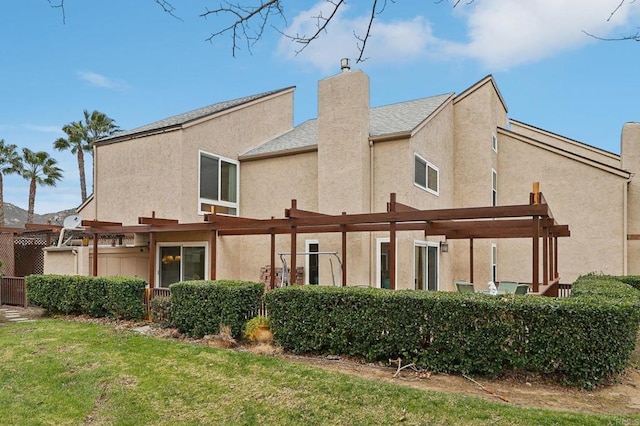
(505, 33)
(500, 33)
(389, 42)
(99, 80)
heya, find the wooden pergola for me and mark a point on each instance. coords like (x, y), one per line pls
(533, 220)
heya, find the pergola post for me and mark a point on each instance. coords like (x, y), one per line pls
(392, 245)
(272, 260)
(555, 260)
(545, 256)
(471, 260)
(152, 259)
(535, 281)
(344, 253)
(95, 255)
(213, 242)
(294, 248)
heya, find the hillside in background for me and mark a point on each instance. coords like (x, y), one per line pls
(16, 217)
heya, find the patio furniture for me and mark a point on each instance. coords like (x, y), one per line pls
(465, 287)
(508, 287)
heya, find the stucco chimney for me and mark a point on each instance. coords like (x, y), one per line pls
(630, 155)
(343, 143)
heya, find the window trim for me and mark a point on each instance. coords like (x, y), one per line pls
(427, 245)
(494, 142)
(494, 262)
(181, 244)
(427, 165)
(307, 259)
(234, 205)
(494, 188)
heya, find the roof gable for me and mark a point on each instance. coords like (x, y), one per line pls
(178, 121)
(486, 80)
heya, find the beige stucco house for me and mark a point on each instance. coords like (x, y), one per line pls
(246, 158)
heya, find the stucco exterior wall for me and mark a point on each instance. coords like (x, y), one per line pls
(567, 144)
(160, 172)
(478, 113)
(630, 148)
(394, 173)
(590, 200)
(67, 261)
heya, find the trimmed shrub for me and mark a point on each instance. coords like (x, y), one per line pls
(580, 341)
(116, 297)
(200, 308)
(161, 310)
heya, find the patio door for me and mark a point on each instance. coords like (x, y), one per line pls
(427, 265)
(181, 262)
(383, 259)
(312, 262)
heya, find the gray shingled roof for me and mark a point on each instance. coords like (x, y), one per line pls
(181, 119)
(384, 120)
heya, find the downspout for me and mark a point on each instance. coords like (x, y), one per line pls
(75, 263)
(372, 255)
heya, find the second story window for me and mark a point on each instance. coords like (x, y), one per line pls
(426, 175)
(218, 184)
(494, 188)
(494, 142)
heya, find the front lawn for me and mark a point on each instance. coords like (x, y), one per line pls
(59, 372)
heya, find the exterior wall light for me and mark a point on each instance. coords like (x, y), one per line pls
(444, 246)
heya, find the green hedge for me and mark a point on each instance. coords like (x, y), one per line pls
(116, 297)
(580, 341)
(200, 308)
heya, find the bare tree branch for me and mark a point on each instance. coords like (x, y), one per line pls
(321, 26)
(364, 39)
(59, 5)
(243, 16)
(168, 8)
(632, 37)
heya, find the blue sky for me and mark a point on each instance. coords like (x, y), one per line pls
(137, 64)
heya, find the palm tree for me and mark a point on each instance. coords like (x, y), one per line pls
(81, 137)
(9, 163)
(75, 142)
(97, 126)
(39, 169)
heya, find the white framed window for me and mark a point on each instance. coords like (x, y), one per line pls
(426, 175)
(181, 262)
(494, 262)
(217, 184)
(494, 142)
(426, 265)
(494, 188)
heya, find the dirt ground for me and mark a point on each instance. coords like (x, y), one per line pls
(622, 397)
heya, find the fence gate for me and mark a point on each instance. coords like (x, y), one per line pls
(28, 254)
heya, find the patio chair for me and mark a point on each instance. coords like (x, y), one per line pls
(508, 287)
(465, 287)
(521, 289)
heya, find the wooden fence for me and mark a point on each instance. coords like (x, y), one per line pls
(13, 291)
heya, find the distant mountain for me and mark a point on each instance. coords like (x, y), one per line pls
(16, 217)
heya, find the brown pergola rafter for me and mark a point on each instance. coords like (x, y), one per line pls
(533, 220)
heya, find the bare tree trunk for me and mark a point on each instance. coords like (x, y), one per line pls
(32, 200)
(83, 183)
